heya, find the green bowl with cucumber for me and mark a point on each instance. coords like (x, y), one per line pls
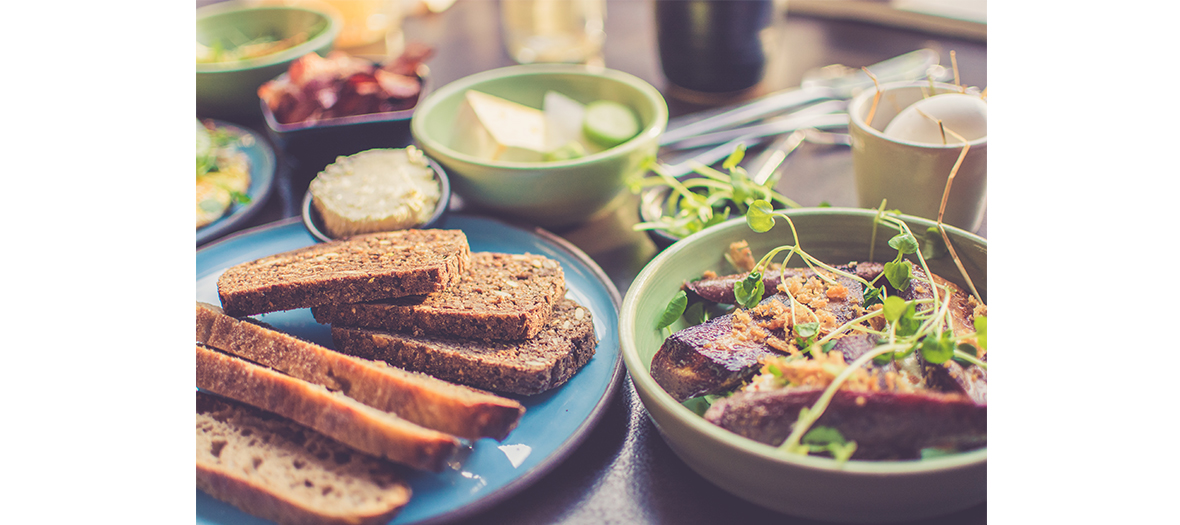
(549, 144)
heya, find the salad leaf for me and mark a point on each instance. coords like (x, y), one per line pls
(934, 247)
(673, 311)
(895, 307)
(898, 272)
(760, 218)
(695, 313)
(828, 439)
(748, 291)
(937, 349)
(807, 330)
(904, 243)
(872, 295)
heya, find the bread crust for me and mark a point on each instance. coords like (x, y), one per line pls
(373, 491)
(519, 367)
(501, 296)
(415, 397)
(357, 269)
(342, 418)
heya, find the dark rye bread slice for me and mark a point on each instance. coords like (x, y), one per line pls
(276, 469)
(520, 367)
(333, 414)
(501, 296)
(415, 397)
(357, 269)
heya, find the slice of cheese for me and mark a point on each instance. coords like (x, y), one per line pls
(563, 120)
(496, 129)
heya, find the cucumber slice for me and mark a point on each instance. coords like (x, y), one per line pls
(609, 124)
(571, 150)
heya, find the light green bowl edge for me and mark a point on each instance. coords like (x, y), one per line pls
(323, 40)
(641, 376)
(650, 133)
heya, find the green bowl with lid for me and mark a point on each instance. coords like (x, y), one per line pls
(805, 486)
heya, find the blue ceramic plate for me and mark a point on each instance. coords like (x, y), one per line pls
(262, 176)
(554, 422)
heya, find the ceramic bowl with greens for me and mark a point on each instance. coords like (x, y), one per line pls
(820, 474)
(241, 45)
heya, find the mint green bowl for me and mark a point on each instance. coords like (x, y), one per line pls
(230, 89)
(805, 486)
(548, 194)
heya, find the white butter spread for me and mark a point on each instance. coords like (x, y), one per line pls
(375, 190)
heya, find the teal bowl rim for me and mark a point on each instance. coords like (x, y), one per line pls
(641, 375)
(651, 132)
(326, 37)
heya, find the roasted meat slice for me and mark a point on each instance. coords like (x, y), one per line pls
(885, 425)
(706, 359)
(720, 354)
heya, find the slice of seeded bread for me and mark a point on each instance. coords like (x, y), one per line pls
(415, 397)
(335, 415)
(357, 269)
(520, 367)
(501, 296)
(275, 469)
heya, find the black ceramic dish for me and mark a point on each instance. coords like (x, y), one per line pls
(311, 218)
(312, 145)
(651, 206)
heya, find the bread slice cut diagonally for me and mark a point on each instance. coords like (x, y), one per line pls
(521, 367)
(362, 268)
(415, 397)
(274, 468)
(501, 296)
(333, 414)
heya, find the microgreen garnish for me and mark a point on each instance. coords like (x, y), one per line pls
(933, 247)
(673, 311)
(894, 308)
(807, 330)
(872, 296)
(695, 203)
(937, 349)
(904, 243)
(898, 271)
(695, 313)
(748, 291)
(830, 440)
(760, 218)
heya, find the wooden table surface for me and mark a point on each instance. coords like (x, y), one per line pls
(624, 472)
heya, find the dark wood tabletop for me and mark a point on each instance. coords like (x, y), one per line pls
(624, 472)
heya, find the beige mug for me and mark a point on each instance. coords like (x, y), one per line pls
(912, 176)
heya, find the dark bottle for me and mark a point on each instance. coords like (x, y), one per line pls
(713, 46)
